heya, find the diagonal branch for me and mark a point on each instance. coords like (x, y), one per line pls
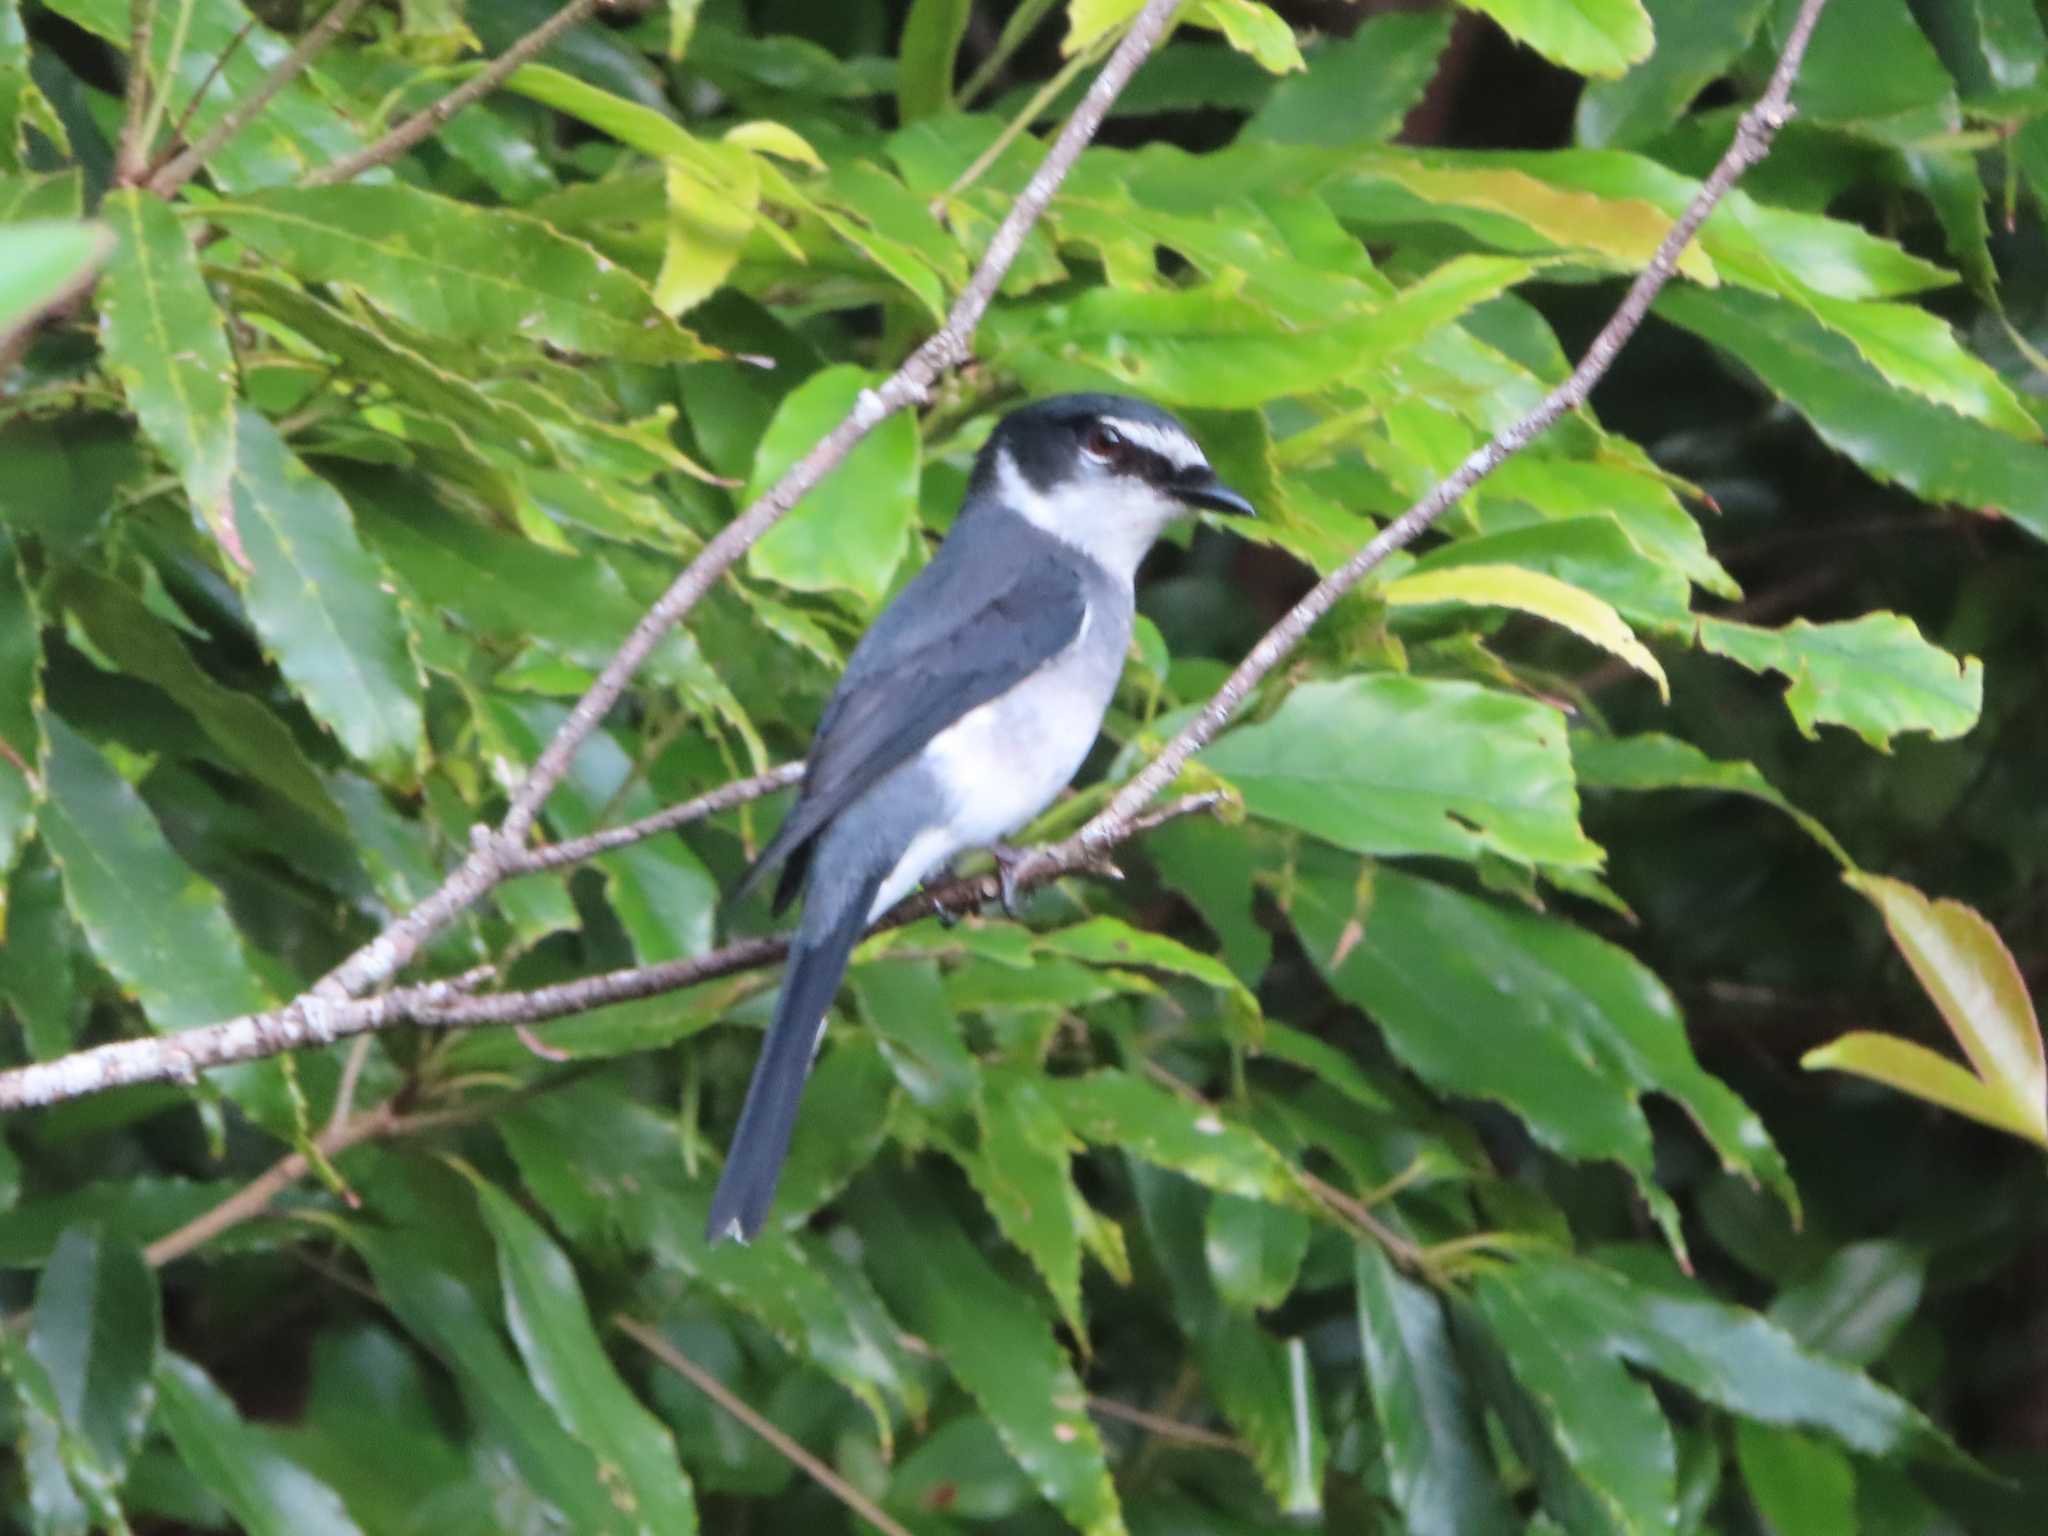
(181, 168)
(429, 118)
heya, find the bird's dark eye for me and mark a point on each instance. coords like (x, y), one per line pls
(1104, 442)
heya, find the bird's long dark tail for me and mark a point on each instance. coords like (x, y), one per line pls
(831, 926)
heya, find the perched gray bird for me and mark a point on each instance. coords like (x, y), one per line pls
(964, 710)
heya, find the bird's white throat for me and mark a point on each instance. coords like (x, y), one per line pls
(1113, 521)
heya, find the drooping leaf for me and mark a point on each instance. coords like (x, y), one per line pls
(1403, 765)
(1255, 1249)
(545, 1310)
(1356, 90)
(1022, 1169)
(1561, 1027)
(21, 695)
(1856, 1303)
(1117, 1109)
(165, 341)
(97, 1329)
(998, 1345)
(849, 532)
(1594, 554)
(1652, 761)
(458, 271)
(1876, 675)
(1798, 1481)
(154, 922)
(1438, 1467)
(932, 31)
(268, 1493)
(1561, 603)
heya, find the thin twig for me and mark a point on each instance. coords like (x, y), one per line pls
(575, 850)
(1165, 1428)
(181, 168)
(133, 156)
(429, 118)
(220, 62)
(651, 1341)
(159, 101)
(315, 1021)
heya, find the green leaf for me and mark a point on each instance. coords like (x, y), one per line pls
(849, 532)
(1488, 1001)
(56, 1464)
(1111, 1108)
(1213, 347)
(1507, 586)
(1856, 1303)
(43, 260)
(458, 271)
(1022, 1169)
(1594, 554)
(1936, 454)
(22, 105)
(321, 605)
(226, 55)
(1725, 1355)
(97, 1328)
(995, 1341)
(1111, 941)
(925, 57)
(1441, 1475)
(1593, 37)
(268, 1492)
(1920, 352)
(165, 342)
(36, 961)
(157, 925)
(1802, 1485)
(1695, 46)
(1251, 28)
(1875, 675)
(1254, 1250)
(58, 195)
(447, 1318)
(245, 733)
(545, 1311)
(1357, 89)
(1600, 1421)
(1925, 1074)
(1267, 1391)
(1403, 765)
(21, 695)
(1652, 761)
(1870, 68)
(608, 1170)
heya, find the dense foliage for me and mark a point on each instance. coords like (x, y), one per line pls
(1421, 1145)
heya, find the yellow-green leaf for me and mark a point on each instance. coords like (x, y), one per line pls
(1924, 1074)
(1594, 37)
(1508, 586)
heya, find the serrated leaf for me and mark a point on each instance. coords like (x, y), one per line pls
(160, 927)
(1695, 46)
(41, 261)
(1875, 675)
(998, 1345)
(849, 532)
(21, 696)
(1111, 1108)
(165, 342)
(36, 977)
(321, 605)
(1022, 1169)
(245, 733)
(458, 271)
(1507, 586)
(1112, 941)
(1488, 1001)
(1439, 1469)
(545, 1310)
(1930, 450)
(1403, 765)
(22, 105)
(1593, 37)
(1920, 352)
(1253, 29)
(67, 1488)
(268, 1493)
(1591, 553)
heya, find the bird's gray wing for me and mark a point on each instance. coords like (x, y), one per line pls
(898, 695)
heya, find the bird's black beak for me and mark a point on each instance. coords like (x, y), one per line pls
(1212, 495)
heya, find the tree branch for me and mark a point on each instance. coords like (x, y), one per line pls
(181, 168)
(132, 158)
(529, 861)
(312, 1021)
(429, 118)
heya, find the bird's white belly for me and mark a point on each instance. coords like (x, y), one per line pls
(1001, 764)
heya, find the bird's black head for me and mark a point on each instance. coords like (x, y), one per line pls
(1110, 453)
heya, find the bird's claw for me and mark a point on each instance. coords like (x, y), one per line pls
(1007, 859)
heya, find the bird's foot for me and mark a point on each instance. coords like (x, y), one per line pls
(946, 915)
(1007, 859)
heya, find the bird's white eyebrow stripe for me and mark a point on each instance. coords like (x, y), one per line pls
(1177, 448)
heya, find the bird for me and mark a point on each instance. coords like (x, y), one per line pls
(964, 710)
